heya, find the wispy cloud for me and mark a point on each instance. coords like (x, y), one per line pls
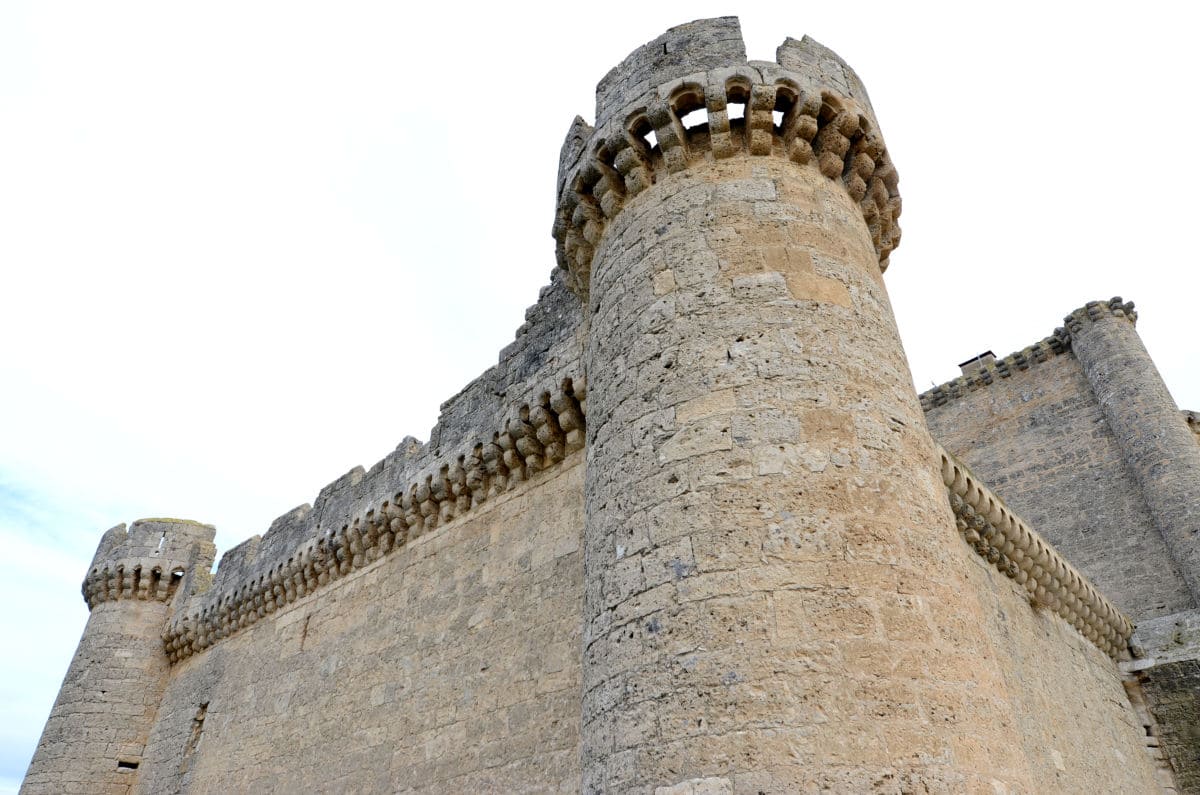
(44, 615)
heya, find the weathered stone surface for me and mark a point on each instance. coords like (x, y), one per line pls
(690, 536)
(451, 665)
(1156, 443)
(1040, 438)
(1166, 674)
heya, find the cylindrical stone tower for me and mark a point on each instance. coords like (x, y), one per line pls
(98, 727)
(774, 590)
(1158, 446)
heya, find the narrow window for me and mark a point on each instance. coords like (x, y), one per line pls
(197, 735)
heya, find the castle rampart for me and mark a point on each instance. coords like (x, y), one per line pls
(1035, 425)
(1083, 438)
(691, 534)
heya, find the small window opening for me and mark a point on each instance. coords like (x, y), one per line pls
(737, 94)
(642, 133)
(694, 118)
(177, 574)
(785, 104)
(162, 539)
(127, 764)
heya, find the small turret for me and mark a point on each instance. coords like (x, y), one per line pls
(98, 727)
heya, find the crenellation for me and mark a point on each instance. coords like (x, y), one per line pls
(152, 559)
(1040, 352)
(836, 133)
(692, 531)
(362, 526)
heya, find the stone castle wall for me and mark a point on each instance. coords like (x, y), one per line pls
(690, 535)
(1081, 436)
(451, 665)
(1038, 435)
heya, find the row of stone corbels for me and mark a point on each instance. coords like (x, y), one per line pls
(1097, 310)
(823, 128)
(1059, 342)
(533, 439)
(1000, 537)
(137, 578)
(1043, 351)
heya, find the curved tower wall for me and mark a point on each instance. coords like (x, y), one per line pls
(749, 580)
(1158, 446)
(98, 727)
(765, 536)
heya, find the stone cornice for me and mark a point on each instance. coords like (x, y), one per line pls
(533, 439)
(1004, 540)
(819, 128)
(1057, 343)
(1095, 311)
(150, 561)
(145, 579)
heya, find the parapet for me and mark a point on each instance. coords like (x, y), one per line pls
(1057, 343)
(1017, 551)
(152, 560)
(691, 96)
(264, 574)
(518, 419)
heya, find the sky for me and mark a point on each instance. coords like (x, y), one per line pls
(245, 247)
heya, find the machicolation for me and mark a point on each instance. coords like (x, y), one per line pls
(695, 532)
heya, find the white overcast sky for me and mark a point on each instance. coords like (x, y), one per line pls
(247, 246)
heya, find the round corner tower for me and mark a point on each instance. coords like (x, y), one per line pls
(99, 724)
(772, 587)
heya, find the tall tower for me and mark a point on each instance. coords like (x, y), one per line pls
(98, 727)
(1158, 446)
(773, 580)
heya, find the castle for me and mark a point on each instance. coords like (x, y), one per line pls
(695, 532)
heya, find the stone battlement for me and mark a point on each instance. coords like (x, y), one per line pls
(532, 440)
(1057, 343)
(677, 110)
(489, 438)
(150, 561)
(691, 533)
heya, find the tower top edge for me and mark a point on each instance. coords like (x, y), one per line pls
(707, 44)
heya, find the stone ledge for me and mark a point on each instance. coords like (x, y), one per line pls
(1005, 541)
(534, 439)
